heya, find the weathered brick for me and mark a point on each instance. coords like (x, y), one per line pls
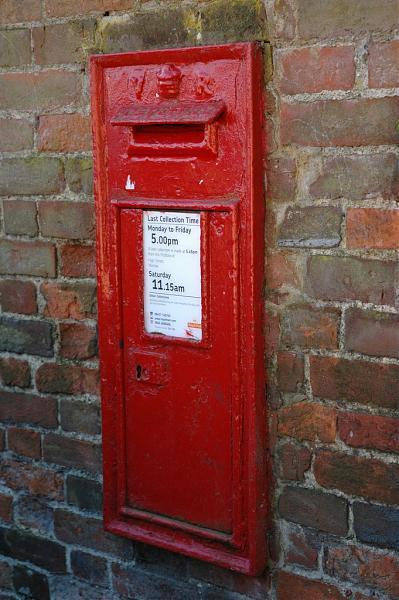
(15, 48)
(384, 64)
(67, 586)
(282, 18)
(293, 461)
(312, 508)
(309, 70)
(24, 442)
(311, 227)
(18, 296)
(369, 431)
(310, 327)
(78, 261)
(331, 18)
(231, 20)
(67, 379)
(62, 43)
(89, 567)
(290, 586)
(80, 417)
(24, 176)
(26, 336)
(34, 513)
(354, 381)
(32, 583)
(15, 11)
(272, 333)
(6, 507)
(290, 371)
(88, 532)
(133, 582)
(20, 217)
(27, 258)
(376, 525)
(281, 179)
(14, 372)
(365, 121)
(26, 547)
(79, 175)
(41, 91)
(33, 479)
(69, 300)
(54, 8)
(372, 228)
(77, 341)
(371, 332)
(28, 409)
(84, 493)
(308, 421)
(343, 278)
(2, 440)
(281, 269)
(71, 220)
(376, 176)
(358, 476)
(64, 133)
(15, 134)
(364, 567)
(5, 576)
(301, 547)
(72, 452)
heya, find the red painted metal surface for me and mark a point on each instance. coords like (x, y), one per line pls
(184, 424)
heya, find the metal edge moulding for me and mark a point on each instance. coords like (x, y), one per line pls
(178, 169)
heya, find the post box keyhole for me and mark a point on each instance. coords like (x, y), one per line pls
(141, 373)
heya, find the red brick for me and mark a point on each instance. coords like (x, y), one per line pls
(67, 379)
(35, 514)
(311, 327)
(358, 476)
(15, 11)
(309, 70)
(69, 300)
(2, 440)
(27, 408)
(283, 19)
(27, 258)
(281, 270)
(15, 48)
(15, 134)
(41, 91)
(346, 278)
(24, 442)
(14, 372)
(311, 227)
(372, 228)
(272, 333)
(364, 567)
(33, 479)
(293, 461)
(324, 123)
(64, 133)
(369, 431)
(301, 548)
(72, 452)
(81, 417)
(20, 217)
(290, 371)
(71, 220)
(18, 296)
(78, 261)
(5, 507)
(62, 43)
(290, 586)
(54, 8)
(331, 18)
(281, 179)
(354, 381)
(308, 421)
(373, 333)
(384, 65)
(77, 341)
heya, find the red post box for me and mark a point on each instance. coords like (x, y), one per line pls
(178, 144)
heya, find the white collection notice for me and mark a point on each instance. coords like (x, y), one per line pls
(172, 273)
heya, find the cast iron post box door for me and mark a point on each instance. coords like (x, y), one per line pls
(178, 147)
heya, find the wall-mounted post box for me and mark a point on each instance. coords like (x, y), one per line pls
(180, 227)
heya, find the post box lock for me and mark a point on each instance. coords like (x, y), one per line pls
(178, 152)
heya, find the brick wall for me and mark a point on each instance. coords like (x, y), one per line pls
(332, 331)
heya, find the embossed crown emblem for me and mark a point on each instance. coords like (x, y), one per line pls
(169, 78)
